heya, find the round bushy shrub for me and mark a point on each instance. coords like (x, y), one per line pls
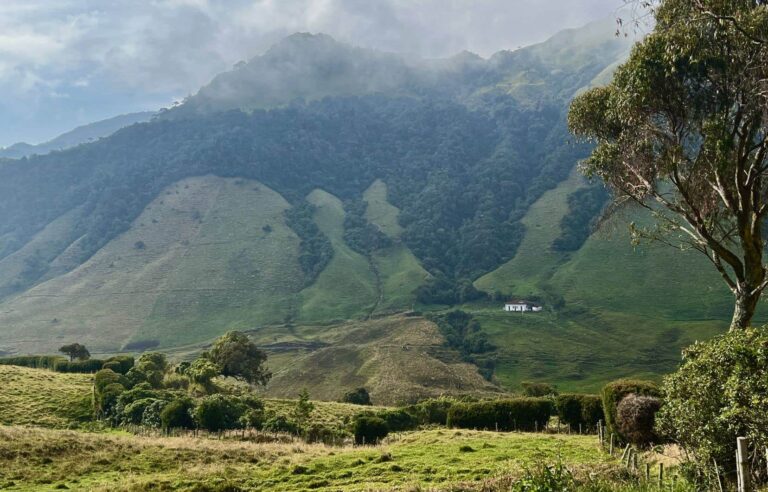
(219, 412)
(280, 423)
(133, 413)
(719, 393)
(615, 391)
(177, 414)
(359, 396)
(635, 418)
(369, 430)
(151, 417)
(121, 364)
(398, 420)
(538, 389)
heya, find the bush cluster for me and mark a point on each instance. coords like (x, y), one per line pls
(369, 429)
(505, 415)
(120, 363)
(719, 393)
(614, 392)
(578, 409)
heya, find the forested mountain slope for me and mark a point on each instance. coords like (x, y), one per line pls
(320, 183)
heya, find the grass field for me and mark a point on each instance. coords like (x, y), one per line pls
(35, 459)
(44, 398)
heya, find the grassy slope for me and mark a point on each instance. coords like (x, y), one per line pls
(347, 287)
(421, 459)
(399, 270)
(627, 312)
(398, 359)
(44, 398)
(206, 266)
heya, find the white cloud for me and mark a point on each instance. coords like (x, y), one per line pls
(169, 48)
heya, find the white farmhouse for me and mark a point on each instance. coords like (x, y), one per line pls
(521, 306)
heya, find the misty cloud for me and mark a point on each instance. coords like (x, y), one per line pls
(68, 62)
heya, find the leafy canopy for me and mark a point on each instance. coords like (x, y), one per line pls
(236, 356)
(682, 131)
(75, 351)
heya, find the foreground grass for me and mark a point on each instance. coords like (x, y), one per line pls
(44, 398)
(38, 459)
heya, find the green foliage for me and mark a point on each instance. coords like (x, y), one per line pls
(615, 391)
(120, 363)
(303, 409)
(579, 409)
(32, 361)
(463, 333)
(152, 414)
(75, 351)
(636, 417)
(357, 396)
(219, 412)
(719, 393)
(442, 290)
(202, 371)
(315, 250)
(584, 206)
(432, 410)
(526, 414)
(236, 356)
(133, 413)
(538, 389)
(280, 423)
(151, 368)
(369, 430)
(547, 478)
(359, 234)
(177, 414)
(81, 366)
(398, 420)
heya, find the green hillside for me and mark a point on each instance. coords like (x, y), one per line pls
(611, 310)
(44, 398)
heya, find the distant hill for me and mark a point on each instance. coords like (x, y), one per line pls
(315, 193)
(80, 135)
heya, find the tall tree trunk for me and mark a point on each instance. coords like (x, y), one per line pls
(744, 308)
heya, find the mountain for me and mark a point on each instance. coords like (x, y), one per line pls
(81, 134)
(316, 193)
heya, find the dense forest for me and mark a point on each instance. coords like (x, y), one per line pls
(463, 150)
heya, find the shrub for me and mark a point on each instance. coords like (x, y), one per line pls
(107, 398)
(504, 415)
(121, 364)
(635, 416)
(78, 366)
(398, 420)
(134, 411)
(359, 396)
(254, 415)
(719, 393)
(219, 412)
(151, 417)
(107, 376)
(369, 430)
(432, 410)
(32, 361)
(321, 433)
(177, 414)
(614, 392)
(280, 423)
(575, 409)
(538, 389)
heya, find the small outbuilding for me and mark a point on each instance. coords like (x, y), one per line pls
(521, 306)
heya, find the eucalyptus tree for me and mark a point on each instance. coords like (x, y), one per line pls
(682, 130)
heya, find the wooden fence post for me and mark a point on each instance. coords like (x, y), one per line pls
(647, 472)
(742, 463)
(717, 475)
(610, 449)
(661, 474)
